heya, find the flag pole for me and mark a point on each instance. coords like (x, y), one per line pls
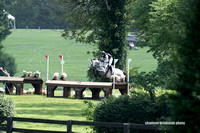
(115, 61)
(47, 57)
(129, 60)
(48, 68)
(62, 62)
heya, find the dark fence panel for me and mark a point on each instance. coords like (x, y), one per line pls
(126, 126)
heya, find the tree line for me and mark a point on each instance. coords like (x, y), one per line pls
(36, 13)
(6, 61)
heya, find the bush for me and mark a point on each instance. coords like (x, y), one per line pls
(8, 63)
(138, 109)
(89, 110)
(6, 108)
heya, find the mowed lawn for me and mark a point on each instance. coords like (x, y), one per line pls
(41, 107)
(29, 49)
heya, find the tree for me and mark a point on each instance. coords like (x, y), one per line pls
(35, 13)
(4, 30)
(172, 33)
(100, 22)
(6, 61)
(160, 28)
(186, 101)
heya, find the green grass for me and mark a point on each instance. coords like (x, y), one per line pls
(29, 48)
(140, 58)
(34, 106)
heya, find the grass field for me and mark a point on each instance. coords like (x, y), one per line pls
(29, 48)
(41, 107)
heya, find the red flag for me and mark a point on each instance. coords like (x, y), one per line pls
(61, 57)
(1, 68)
(47, 56)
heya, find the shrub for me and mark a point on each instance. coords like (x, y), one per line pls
(124, 109)
(6, 108)
(89, 110)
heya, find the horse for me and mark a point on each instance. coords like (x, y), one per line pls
(106, 72)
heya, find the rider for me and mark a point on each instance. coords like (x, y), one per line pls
(107, 60)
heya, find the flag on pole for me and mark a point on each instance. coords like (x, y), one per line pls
(62, 61)
(4, 71)
(61, 57)
(47, 56)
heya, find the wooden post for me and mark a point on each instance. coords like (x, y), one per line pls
(66, 92)
(95, 92)
(19, 89)
(50, 91)
(126, 128)
(107, 92)
(79, 92)
(9, 125)
(69, 126)
(38, 88)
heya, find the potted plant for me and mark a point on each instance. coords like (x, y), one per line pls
(55, 76)
(63, 76)
(36, 74)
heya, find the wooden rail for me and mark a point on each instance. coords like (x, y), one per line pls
(18, 83)
(80, 86)
(126, 126)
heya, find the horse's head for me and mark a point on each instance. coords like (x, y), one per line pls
(93, 63)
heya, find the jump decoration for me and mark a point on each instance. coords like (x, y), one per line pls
(29, 74)
(63, 76)
(56, 75)
(62, 63)
(37, 74)
(4, 71)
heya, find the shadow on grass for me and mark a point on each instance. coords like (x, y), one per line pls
(49, 112)
(35, 106)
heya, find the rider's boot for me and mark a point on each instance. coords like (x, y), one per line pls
(110, 67)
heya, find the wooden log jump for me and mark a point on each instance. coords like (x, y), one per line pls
(36, 83)
(18, 83)
(80, 86)
(11, 82)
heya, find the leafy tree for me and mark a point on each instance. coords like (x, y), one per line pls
(160, 28)
(6, 61)
(35, 13)
(100, 22)
(172, 33)
(4, 30)
(186, 101)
